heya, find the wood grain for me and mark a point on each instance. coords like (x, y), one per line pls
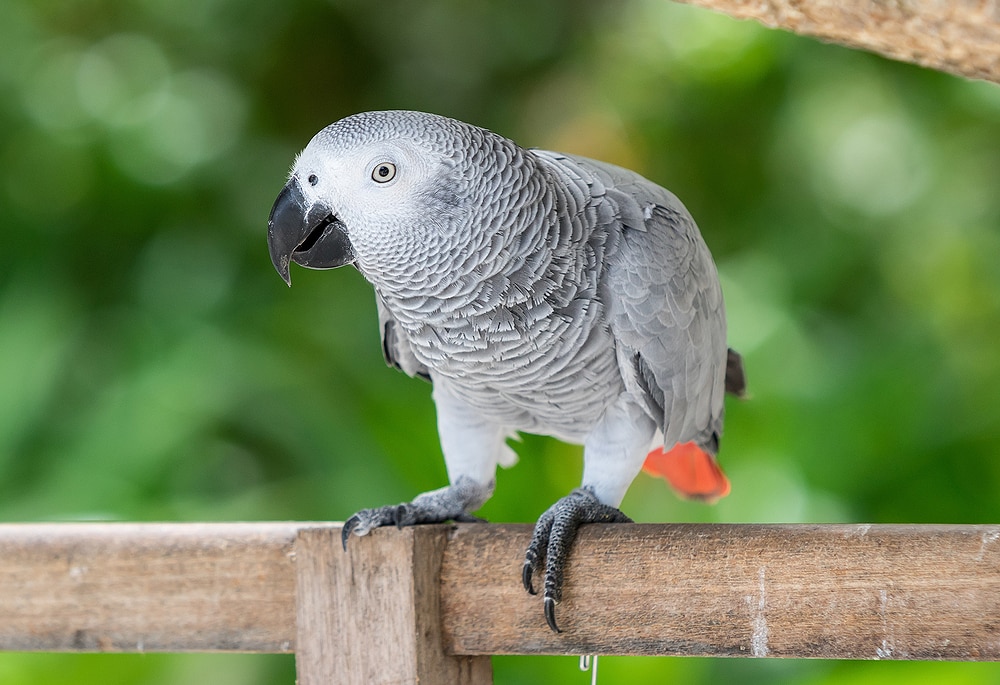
(831, 591)
(147, 587)
(960, 37)
(372, 616)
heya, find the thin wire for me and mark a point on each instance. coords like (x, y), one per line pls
(585, 662)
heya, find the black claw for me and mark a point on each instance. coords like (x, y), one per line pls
(469, 518)
(526, 572)
(539, 541)
(399, 516)
(345, 532)
(550, 614)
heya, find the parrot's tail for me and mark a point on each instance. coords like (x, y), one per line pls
(691, 471)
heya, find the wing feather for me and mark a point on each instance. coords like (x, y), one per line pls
(665, 305)
(396, 346)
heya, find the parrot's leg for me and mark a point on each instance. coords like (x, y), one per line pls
(553, 538)
(613, 455)
(451, 503)
(472, 446)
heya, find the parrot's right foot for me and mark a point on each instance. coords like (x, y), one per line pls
(553, 538)
(452, 503)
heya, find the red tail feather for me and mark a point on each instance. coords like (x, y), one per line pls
(691, 471)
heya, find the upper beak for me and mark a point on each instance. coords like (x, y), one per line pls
(308, 235)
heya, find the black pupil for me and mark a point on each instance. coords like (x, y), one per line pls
(313, 180)
(383, 171)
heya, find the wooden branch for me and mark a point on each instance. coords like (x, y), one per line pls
(960, 37)
(832, 591)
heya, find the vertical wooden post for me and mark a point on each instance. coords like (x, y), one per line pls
(373, 615)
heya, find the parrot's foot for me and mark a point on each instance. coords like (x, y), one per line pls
(553, 537)
(452, 503)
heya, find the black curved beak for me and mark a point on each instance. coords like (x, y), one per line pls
(310, 236)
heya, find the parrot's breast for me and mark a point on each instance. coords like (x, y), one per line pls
(556, 377)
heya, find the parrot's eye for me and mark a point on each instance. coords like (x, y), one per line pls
(384, 172)
(313, 179)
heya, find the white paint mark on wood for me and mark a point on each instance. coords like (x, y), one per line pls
(885, 650)
(859, 532)
(989, 537)
(758, 622)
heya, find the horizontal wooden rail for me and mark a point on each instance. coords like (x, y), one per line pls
(961, 36)
(447, 596)
(148, 587)
(829, 591)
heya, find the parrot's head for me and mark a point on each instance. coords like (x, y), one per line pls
(389, 192)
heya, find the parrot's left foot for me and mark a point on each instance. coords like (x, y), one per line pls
(553, 537)
(452, 503)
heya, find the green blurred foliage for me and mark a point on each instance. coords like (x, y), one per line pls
(153, 366)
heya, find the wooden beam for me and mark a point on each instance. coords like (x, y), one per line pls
(830, 591)
(373, 615)
(960, 37)
(147, 587)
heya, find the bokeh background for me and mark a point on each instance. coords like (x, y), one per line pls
(154, 367)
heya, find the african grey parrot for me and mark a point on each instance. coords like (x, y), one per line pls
(538, 292)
